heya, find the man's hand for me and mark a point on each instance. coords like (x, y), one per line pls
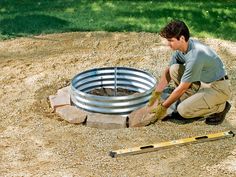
(160, 112)
(154, 97)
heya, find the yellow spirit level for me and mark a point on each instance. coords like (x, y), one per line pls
(154, 147)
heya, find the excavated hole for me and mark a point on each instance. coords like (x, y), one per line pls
(111, 92)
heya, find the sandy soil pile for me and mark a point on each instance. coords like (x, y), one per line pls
(36, 142)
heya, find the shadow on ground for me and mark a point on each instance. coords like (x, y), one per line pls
(205, 18)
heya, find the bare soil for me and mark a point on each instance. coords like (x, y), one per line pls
(112, 92)
(36, 142)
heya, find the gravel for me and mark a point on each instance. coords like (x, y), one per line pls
(36, 142)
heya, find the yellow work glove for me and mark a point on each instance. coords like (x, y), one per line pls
(160, 112)
(155, 96)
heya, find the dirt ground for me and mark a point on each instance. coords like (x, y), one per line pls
(36, 142)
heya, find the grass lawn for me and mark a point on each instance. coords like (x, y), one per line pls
(205, 18)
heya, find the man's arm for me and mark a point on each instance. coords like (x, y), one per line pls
(156, 94)
(176, 94)
(164, 80)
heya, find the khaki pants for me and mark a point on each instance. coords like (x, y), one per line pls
(201, 99)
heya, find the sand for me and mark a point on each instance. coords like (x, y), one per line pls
(36, 142)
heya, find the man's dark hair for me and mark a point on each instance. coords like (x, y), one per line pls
(175, 29)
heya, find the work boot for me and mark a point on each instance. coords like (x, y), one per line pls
(218, 118)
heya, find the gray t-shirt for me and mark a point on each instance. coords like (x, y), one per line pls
(201, 63)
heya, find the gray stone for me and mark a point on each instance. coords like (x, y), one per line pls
(72, 114)
(109, 91)
(106, 121)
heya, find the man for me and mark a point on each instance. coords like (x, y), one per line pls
(202, 85)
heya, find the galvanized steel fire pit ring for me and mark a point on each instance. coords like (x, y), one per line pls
(112, 77)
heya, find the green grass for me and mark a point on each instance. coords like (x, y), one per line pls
(205, 18)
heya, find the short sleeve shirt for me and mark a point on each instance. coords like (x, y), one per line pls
(201, 63)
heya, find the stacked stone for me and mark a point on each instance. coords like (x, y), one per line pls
(61, 104)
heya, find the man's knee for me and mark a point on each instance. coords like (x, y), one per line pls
(176, 70)
(184, 110)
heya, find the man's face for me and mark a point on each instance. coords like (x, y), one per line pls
(174, 43)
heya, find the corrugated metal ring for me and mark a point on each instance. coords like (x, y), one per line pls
(112, 77)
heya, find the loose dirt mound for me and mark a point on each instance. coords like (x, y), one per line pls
(36, 142)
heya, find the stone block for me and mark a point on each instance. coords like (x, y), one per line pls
(106, 121)
(59, 100)
(64, 90)
(72, 114)
(141, 117)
